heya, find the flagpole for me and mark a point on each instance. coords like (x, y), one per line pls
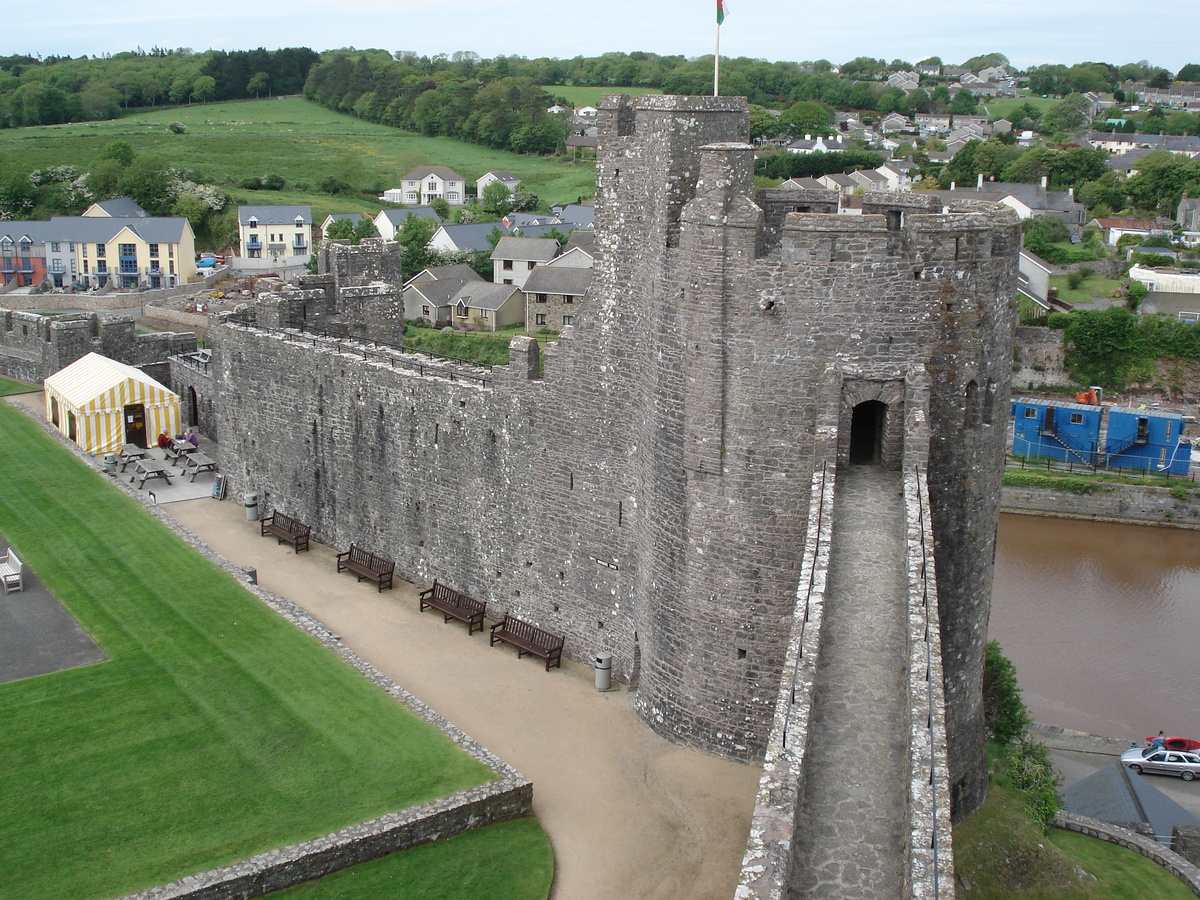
(717, 61)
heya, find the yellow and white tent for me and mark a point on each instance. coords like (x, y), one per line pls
(101, 404)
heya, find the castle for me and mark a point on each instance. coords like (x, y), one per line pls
(649, 494)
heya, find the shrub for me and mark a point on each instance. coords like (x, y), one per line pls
(1074, 280)
(1004, 713)
(177, 128)
(1027, 763)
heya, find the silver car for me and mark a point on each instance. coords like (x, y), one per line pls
(1162, 762)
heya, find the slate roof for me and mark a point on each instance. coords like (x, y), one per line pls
(503, 174)
(442, 172)
(578, 215)
(458, 272)
(274, 215)
(399, 216)
(558, 280)
(475, 235)
(121, 208)
(526, 248)
(485, 295)
(584, 240)
(439, 293)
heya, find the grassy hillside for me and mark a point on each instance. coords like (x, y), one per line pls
(303, 142)
(584, 95)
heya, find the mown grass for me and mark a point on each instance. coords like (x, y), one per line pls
(586, 95)
(509, 861)
(1089, 289)
(1003, 856)
(215, 731)
(8, 386)
(303, 142)
(1000, 108)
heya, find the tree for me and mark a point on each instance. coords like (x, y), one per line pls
(524, 201)
(348, 230)
(204, 88)
(1068, 114)
(963, 104)
(1004, 713)
(806, 117)
(192, 208)
(1160, 79)
(496, 198)
(120, 151)
(762, 123)
(1190, 72)
(258, 83)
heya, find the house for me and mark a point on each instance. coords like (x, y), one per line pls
(1179, 95)
(281, 235)
(1028, 200)
(899, 174)
(870, 179)
(425, 184)
(1114, 228)
(893, 123)
(506, 178)
(117, 208)
(932, 123)
(1147, 440)
(474, 237)
(352, 218)
(389, 221)
(581, 240)
(843, 184)
(1188, 213)
(929, 69)
(906, 81)
(515, 257)
(101, 404)
(575, 215)
(488, 306)
(804, 184)
(553, 294)
(430, 293)
(1057, 429)
(993, 73)
(819, 144)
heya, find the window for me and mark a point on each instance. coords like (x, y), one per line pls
(6, 245)
(172, 267)
(56, 265)
(171, 250)
(299, 221)
(568, 298)
(483, 314)
(100, 251)
(506, 265)
(460, 310)
(508, 281)
(1168, 435)
(86, 270)
(54, 247)
(541, 298)
(84, 248)
(568, 320)
(1030, 412)
(1076, 418)
(154, 251)
(101, 266)
(253, 222)
(25, 245)
(530, 265)
(540, 318)
(424, 310)
(452, 195)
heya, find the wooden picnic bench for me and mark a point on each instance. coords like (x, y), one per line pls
(12, 572)
(454, 605)
(130, 453)
(149, 468)
(366, 564)
(285, 528)
(528, 638)
(196, 462)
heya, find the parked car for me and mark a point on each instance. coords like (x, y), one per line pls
(1178, 743)
(1154, 760)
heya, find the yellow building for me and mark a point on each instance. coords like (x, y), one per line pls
(129, 253)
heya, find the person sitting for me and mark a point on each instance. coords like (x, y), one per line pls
(164, 440)
(191, 437)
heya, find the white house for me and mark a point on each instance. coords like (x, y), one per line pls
(515, 257)
(506, 178)
(281, 234)
(389, 221)
(428, 183)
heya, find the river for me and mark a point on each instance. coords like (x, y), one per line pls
(1102, 622)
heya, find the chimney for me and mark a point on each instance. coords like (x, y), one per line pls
(979, 182)
(1045, 182)
(1071, 192)
(952, 185)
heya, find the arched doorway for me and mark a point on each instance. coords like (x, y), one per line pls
(866, 433)
(194, 408)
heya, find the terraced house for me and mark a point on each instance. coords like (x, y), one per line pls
(278, 235)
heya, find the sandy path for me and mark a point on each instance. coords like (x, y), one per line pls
(629, 814)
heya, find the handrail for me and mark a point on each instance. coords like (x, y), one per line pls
(393, 355)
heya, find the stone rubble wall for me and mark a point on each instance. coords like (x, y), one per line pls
(1108, 502)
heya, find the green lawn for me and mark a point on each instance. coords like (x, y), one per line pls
(586, 95)
(8, 386)
(508, 861)
(1003, 856)
(215, 731)
(301, 141)
(1092, 287)
(1001, 107)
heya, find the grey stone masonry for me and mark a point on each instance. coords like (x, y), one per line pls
(650, 494)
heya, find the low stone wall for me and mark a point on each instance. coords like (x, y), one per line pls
(1146, 846)
(1132, 503)
(175, 319)
(509, 797)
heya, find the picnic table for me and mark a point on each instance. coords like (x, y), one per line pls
(129, 453)
(196, 462)
(150, 468)
(179, 448)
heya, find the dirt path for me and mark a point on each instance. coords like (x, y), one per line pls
(629, 814)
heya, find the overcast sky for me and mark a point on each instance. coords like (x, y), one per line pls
(1029, 32)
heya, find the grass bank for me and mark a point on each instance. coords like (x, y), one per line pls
(303, 142)
(215, 731)
(1090, 289)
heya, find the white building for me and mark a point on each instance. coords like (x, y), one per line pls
(279, 235)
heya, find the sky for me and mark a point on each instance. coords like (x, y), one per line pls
(1029, 32)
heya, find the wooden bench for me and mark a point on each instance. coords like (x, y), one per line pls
(366, 564)
(453, 605)
(529, 638)
(285, 528)
(12, 572)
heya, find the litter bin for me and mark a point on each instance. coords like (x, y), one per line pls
(603, 671)
(110, 463)
(251, 499)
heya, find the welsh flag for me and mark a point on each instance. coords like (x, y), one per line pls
(720, 11)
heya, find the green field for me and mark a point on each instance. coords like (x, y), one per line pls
(1092, 287)
(214, 731)
(1000, 107)
(303, 142)
(584, 95)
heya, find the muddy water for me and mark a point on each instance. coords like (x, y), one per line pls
(1102, 622)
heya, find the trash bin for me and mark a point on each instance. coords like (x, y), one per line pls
(110, 463)
(251, 499)
(603, 671)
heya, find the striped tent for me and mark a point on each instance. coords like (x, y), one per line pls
(101, 404)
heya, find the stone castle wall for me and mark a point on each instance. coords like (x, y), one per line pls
(649, 495)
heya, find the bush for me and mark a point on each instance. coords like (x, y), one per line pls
(1074, 280)
(1025, 478)
(274, 182)
(1004, 713)
(177, 128)
(1027, 763)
